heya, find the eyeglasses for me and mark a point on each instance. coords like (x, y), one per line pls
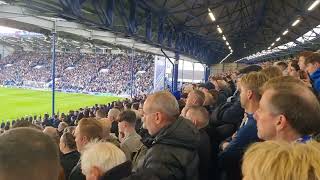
(146, 114)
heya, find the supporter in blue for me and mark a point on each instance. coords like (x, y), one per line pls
(56, 121)
(229, 159)
(47, 121)
(287, 114)
(227, 117)
(313, 68)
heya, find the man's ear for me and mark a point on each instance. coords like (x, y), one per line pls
(281, 122)
(84, 139)
(249, 94)
(158, 119)
(95, 173)
(195, 123)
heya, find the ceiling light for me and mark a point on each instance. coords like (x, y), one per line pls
(229, 47)
(269, 47)
(211, 15)
(227, 43)
(219, 29)
(278, 39)
(313, 5)
(272, 44)
(285, 32)
(224, 38)
(295, 22)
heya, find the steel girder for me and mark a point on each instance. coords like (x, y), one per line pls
(183, 25)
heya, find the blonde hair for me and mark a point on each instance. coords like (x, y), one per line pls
(272, 72)
(278, 160)
(253, 81)
(103, 155)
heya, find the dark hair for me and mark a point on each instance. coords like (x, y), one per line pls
(128, 116)
(282, 64)
(127, 105)
(25, 123)
(69, 141)
(135, 106)
(101, 113)
(305, 53)
(251, 68)
(86, 113)
(6, 127)
(295, 65)
(312, 59)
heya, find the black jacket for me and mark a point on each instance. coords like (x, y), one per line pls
(223, 95)
(121, 171)
(68, 161)
(206, 155)
(76, 173)
(226, 119)
(114, 128)
(173, 155)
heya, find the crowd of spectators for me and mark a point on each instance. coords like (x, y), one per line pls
(104, 73)
(261, 122)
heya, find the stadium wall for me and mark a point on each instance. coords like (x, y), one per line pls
(68, 91)
(225, 67)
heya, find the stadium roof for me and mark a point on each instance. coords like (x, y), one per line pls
(25, 40)
(206, 30)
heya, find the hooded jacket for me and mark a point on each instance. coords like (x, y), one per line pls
(173, 155)
(316, 80)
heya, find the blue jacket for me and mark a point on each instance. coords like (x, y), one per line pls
(315, 77)
(230, 158)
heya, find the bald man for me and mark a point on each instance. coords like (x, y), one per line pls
(53, 133)
(195, 98)
(199, 116)
(173, 154)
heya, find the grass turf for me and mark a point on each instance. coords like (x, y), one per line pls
(16, 103)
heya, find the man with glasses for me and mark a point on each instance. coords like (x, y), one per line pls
(173, 154)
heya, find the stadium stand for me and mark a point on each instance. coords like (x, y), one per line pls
(79, 72)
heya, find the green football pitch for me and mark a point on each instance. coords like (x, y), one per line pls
(16, 103)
